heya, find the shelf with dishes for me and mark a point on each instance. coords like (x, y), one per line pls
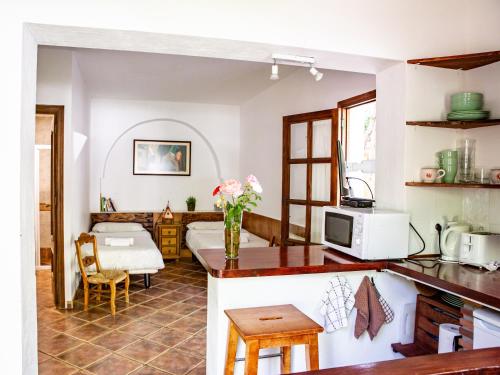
(455, 124)
(457, 185)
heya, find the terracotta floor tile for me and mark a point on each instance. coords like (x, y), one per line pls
(113, 365)
(196, 346)
(199, 370)
(182, 308)
(188, 324)
(58, 344)
(84, 355)
(175, 362)
(137, 298)
(114, 340)
(48, 315)
(42, 357)
(169, 337)
(171, 286)
(45, 333)
(140, 328)
(88, 331)
(138, 312)
(200, 314)
(113, 322)
(197, 300)
(143, 350)
(162, 318)
(93, 314)
(66, 324)
(159, 303)
(177, 296)
(54, 366)
(154, 292)
(193, 290)
(146, 370)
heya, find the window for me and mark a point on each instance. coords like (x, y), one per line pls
(359, 141)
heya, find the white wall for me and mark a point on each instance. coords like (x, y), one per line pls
(59, 82)
(220, 124)
(262, 123)
(391, 29)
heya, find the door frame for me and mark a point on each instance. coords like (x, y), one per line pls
(57, 194)
(308, 118)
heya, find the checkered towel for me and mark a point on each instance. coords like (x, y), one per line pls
(337, 303)
(389, 314)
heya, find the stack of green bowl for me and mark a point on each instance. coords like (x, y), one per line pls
(467, 106)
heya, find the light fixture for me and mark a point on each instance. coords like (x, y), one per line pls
(294, 60)
(316, 73)
(274, 72)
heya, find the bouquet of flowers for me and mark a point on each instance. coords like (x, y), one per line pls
(234, 199)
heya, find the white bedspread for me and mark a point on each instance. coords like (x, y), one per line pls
(197, 239)
(142, 256)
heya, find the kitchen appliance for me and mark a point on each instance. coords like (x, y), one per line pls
(486, 329)
(450, 241)
(448, 337)
(479, 248)
(366, 233)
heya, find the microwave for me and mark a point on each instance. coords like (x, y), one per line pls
(366, 233)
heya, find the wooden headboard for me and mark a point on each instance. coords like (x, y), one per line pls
(144, 218)
(262, 226)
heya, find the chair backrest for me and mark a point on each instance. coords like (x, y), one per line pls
(86, 261)
(272, 241)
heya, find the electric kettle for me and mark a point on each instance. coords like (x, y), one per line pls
(450, 241)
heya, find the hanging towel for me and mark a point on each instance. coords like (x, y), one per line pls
(337, 303)
(370, 316)
(389, 314)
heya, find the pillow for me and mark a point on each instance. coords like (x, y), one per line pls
(117, 227)
(206, 225)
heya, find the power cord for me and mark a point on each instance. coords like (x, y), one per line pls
(421, 239)
(439, 228)
(360, 179)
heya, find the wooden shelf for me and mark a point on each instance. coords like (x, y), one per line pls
(455, 124)
(458, 185)
(410, 350)
(460, 62)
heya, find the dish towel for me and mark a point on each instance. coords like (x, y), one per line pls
(118, 241)
(371, 315)
(337, 303)
(389, 314)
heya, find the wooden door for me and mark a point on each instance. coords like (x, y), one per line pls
(309, 179)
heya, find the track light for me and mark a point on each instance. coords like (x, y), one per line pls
(274, 72)
(316, 73)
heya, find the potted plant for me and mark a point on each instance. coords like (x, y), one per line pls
(191, 203)
(234, 198)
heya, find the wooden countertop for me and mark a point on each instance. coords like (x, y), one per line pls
(286, 260)
(481, 361)
(468, 281)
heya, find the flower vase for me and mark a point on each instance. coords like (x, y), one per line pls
(232, 230)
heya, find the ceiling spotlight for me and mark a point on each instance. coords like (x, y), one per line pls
(316, 73)
(274, 72)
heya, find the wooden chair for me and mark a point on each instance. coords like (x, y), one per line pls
(93, 282)
(271, 327)
(272, 242)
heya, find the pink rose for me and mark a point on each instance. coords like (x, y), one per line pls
(254, 183)
(231, 187)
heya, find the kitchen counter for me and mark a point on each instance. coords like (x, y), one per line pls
(285, 260)
(477, 285)
(465, 362)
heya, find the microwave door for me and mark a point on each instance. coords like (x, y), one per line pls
(338, 229)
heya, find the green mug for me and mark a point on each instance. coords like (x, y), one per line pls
(451, 169)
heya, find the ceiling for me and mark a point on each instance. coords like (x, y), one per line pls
(149, 76)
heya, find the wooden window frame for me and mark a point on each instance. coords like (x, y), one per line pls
(309, 160)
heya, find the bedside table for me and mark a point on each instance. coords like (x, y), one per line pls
(168, 240)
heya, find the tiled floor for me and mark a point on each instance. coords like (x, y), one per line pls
(161, 331)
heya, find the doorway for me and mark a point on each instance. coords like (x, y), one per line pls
(49, 208)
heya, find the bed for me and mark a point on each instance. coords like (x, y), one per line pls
(141, 257)
(210, 235)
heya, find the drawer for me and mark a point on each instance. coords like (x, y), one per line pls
(165, 241)
(168, 231)
(168, 250)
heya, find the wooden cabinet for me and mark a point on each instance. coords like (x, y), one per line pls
(168, 240)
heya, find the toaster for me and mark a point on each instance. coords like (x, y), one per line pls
(479, 248)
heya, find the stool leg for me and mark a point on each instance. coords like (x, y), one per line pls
(252, 357)
(312, 354)
(232, 346)
(285, 359)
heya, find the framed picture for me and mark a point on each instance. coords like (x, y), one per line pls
(164, 158)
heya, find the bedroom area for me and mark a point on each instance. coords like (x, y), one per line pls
(143, 145)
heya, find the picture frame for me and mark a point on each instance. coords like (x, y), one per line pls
(161, 158)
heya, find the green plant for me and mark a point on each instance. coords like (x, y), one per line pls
(191, 203)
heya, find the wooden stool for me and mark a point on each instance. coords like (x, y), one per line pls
(270, 327)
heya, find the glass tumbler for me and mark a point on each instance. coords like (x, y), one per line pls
(466, 160)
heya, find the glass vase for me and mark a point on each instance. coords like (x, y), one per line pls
(232, 230)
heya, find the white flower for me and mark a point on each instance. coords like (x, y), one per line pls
(254, 183)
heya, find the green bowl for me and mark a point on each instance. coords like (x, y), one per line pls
(466, 101)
